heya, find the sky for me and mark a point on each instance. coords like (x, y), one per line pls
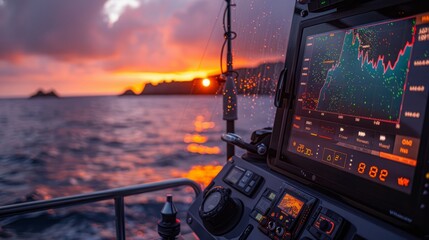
(102, 47)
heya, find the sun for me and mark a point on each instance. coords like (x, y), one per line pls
(206, 82)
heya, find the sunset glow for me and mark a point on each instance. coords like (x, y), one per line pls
(156, 77)
(104, 47)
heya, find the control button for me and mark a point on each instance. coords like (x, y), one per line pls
(427, 175)
(241, 184)
(244, 179)
(426, 185)
(246, 232)
(252, 183)
(271, 225)
(406, 146)
(325, 226)
(279, 231)
(271, 196)
(259, 217)
(425, 192)
(249, 174)
(263, 205)
(248, 189)
(326, 222)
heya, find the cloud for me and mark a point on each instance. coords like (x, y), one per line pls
(59, 29)
(113, 9)
(163, 36)
(162, 45)
(74, 31)
(156, 34)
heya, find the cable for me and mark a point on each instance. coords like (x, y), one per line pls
(227, 35)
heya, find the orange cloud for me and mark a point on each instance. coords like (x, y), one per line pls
(69, 45)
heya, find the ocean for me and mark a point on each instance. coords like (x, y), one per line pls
(59, 147)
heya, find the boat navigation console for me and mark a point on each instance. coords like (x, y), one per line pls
(349, 150)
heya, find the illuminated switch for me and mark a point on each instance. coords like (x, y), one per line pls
(427, 175)
(258, 217)
(406, 146)
(272, 196)
(361, 134)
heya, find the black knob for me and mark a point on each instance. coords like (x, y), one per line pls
(219, 211)
(271, 225)
(279, 231)
(325, 225)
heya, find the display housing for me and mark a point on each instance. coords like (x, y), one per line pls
(356, 123)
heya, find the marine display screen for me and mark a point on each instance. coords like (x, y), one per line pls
(290, 205)
(361, 99)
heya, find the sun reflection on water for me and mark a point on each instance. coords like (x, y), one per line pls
(195, 141)
(201, 125)
(201, 149)
(195, 138)
(203, 174)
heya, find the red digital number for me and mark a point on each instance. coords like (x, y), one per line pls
(373, 170)
(361, 168)
(383, 175)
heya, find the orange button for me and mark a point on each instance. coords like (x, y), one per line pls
(407, 142)
(427, 175)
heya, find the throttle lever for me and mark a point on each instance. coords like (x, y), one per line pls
(236, 140)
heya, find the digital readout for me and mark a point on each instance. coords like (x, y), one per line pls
(234, 175)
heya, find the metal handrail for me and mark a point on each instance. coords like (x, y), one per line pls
(117, 194)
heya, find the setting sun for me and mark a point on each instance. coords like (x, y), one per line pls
(206, 82)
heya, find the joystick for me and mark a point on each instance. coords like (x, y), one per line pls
(219, 211)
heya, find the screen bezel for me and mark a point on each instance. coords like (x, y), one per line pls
(369, 196)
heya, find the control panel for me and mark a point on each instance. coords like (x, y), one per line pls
(243, 180)
(277, 207)
(288, 215)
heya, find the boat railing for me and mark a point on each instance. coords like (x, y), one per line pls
(117, 194)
